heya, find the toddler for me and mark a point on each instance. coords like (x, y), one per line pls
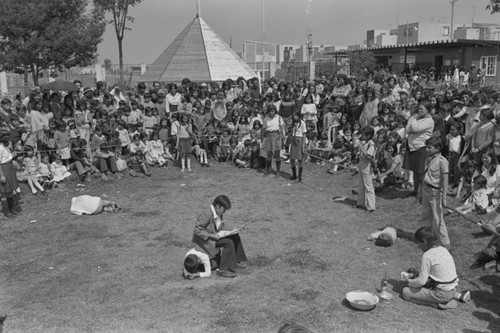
(137, 165)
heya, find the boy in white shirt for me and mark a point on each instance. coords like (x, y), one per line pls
(196, 264)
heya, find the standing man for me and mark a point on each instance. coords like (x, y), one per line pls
(273, 133)
(226, 251)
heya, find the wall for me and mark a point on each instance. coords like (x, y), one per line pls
(385, 40)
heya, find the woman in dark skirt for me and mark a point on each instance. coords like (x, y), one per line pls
(297, 145)
(8, 179)
(420, 128)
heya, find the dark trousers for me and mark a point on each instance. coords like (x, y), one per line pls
(232, 252)
(106, 164)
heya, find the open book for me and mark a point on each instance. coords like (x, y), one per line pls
(226, 233)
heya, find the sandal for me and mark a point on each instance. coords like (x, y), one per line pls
(465, 296)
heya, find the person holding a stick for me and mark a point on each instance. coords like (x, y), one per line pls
(434, 189)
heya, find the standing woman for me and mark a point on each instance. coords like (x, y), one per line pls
(419, 129)
(370, 108)
(297, 145)
(273, 133)
(366, 191)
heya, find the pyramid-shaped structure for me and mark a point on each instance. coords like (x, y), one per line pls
(198, 54)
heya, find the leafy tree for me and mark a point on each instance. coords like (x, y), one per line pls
(36, 35)
(493, 6)
(327, 68)
(119, 10)
(361, 62)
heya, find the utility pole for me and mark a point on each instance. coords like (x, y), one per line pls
(263, 40)
(452, 15)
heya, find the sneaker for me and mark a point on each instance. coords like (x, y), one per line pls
(446, 306)
(189, 169)
(464, 297)
(183, 170)
(226, 274)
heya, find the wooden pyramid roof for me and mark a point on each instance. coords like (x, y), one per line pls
(198, 54)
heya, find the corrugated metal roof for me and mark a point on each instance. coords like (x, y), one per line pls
(199, 54)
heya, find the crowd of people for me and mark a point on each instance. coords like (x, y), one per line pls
(433, 137)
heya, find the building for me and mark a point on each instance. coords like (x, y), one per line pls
(420, 32)
(482, 31)
(286, 52)
(259, 54)
(464, 53)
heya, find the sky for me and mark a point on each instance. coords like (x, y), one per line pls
(332, 22)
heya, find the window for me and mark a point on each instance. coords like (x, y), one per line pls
(446, 31)
(489, 65)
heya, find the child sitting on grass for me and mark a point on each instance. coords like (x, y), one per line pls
(156, 153)
(137, 165)
(465, 182)
(393, 162)
(59, 170)
(435, 284)
(243, 158)
(478, 201)
(24, 176)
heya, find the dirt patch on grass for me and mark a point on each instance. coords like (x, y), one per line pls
(307, 295)
(261, 261)
(304, 259)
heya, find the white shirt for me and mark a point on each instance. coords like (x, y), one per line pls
(5, 155)
(455, 144)
(205, 260)
(217, 219)
(273, 124)
(299, 130)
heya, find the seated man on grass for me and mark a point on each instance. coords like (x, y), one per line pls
(227, 250)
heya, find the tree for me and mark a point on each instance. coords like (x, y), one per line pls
(119, 10)
(327, 68)
(493, 6)
(38, 35)
(361, 62)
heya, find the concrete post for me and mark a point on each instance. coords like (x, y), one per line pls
(3, 83)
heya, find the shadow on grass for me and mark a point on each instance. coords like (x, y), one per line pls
(397, 285)
(488, 301)
(410, 236)
(347, 201)
(391, 193)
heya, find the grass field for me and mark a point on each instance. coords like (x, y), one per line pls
(122, 272)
